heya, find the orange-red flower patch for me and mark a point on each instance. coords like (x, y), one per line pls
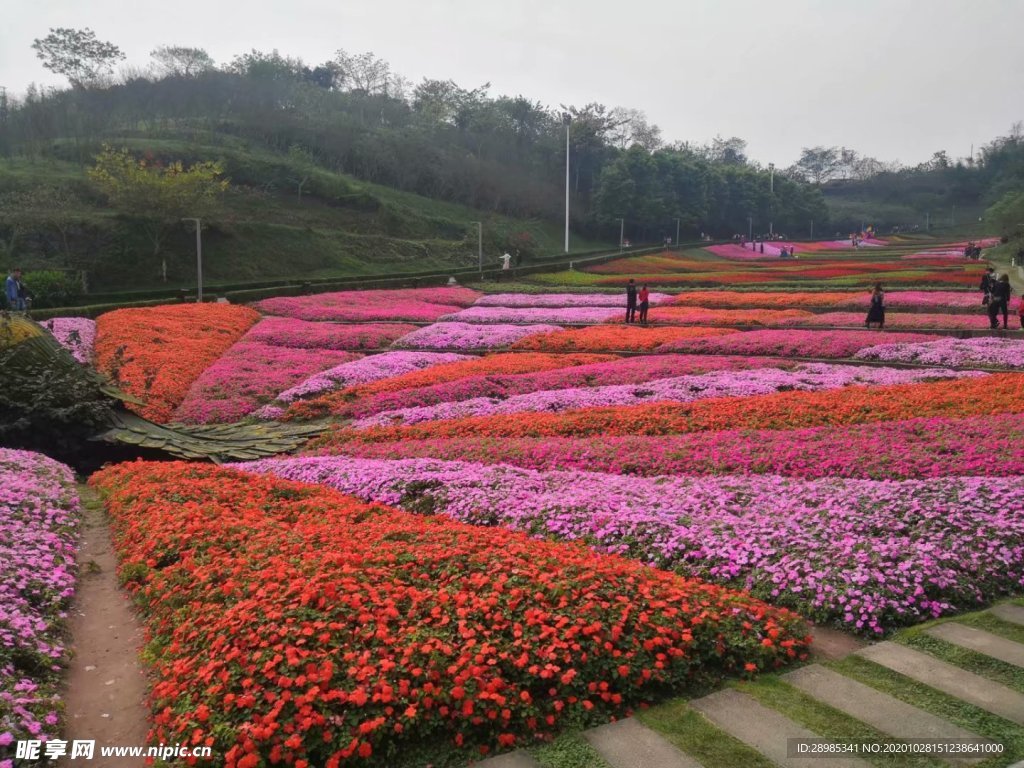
(155, 353)
(612, 338)
(301, 627)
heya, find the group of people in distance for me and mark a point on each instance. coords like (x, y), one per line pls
(996, 293)
(972, 251)
(635, 298)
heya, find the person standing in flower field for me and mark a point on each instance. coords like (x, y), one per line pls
(1000, 301)
(644, 297)
(1020, 312)
(986, 285)
(876, 313)
(14, 290)
(631, 300)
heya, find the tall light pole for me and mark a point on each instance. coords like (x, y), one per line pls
(771, 195)
(480, 245)
(567, 119)
(622, 231)
(677, 232)
(199, 259)
(750, 230)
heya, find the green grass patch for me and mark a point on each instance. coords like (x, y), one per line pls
(569, 750)
(691, 732)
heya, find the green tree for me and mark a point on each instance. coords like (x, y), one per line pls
(158, 196)
(77, 54)
(181, 61)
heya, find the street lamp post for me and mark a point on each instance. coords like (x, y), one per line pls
(622, 231)
(567, 119)
(771, 194)
(480, 245)
(199, 260)
(677, 232)
(750, 230)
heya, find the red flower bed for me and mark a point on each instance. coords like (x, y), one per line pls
(605, 338)
(155, 353)
(298, 626)
(998, 393)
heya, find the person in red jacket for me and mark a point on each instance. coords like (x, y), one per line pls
(644, 299)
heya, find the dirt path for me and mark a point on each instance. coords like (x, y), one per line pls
(106, 686)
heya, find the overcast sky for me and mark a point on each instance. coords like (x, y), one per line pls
(895, 79)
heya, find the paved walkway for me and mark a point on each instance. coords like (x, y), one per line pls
(629, 744)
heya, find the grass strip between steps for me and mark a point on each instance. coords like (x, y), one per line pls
(570, 750)
(691, 732)
(958, 712)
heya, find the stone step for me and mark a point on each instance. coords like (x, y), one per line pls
(832, 644)
(517, 759)
(1009, 612)
(879, 710)
(629, 744)
(980, 641)
(764, 729)
(958, 683)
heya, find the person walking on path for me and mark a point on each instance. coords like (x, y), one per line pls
(631, 301)
(876, 313)
(986, 286)
(15, 291)
(644, 297)
(1000, 302)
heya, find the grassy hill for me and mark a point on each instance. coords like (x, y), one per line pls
(340, 227)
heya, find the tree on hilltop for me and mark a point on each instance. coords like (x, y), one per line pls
(77, 54)
(181, 61)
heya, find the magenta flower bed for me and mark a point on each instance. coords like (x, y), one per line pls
(902, 450)
(745, 253)
(76, 334)
(566, 315)
(250, 375)
(417, 304)
(869, 556)
(982, 352)
(563, 300)
(363, 371)
(633, 370)
(39, 518)
(893, 320)
(470, 336)
(302, 334)
(682, 389)
(791, 343)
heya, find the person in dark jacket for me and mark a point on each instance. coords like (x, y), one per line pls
(1000, 302)
(986, 285)
(631, 301)
(876, 313)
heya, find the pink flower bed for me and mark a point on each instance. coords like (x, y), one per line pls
(791, 343)
(633, 370)
(371, 368)
(681, 389)
(982, 352)
(562, 299)
(893, 320)
(746, 253)
(302, 334)
(470, 336)
(417, 304)
(75, 334)
(551, 315)
(900, 450)
(249, 375)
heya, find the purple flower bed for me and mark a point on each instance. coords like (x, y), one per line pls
(387, 305)
(633, 370)
(902, 450)
(363, 371)
(682, 389)
(563, 300)
(791, 343)
(302, 334)
(560, 315)
(250, 375)
(76, 334)
(869, 556)
(38, 542)
(983, 351)
(468, 336)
